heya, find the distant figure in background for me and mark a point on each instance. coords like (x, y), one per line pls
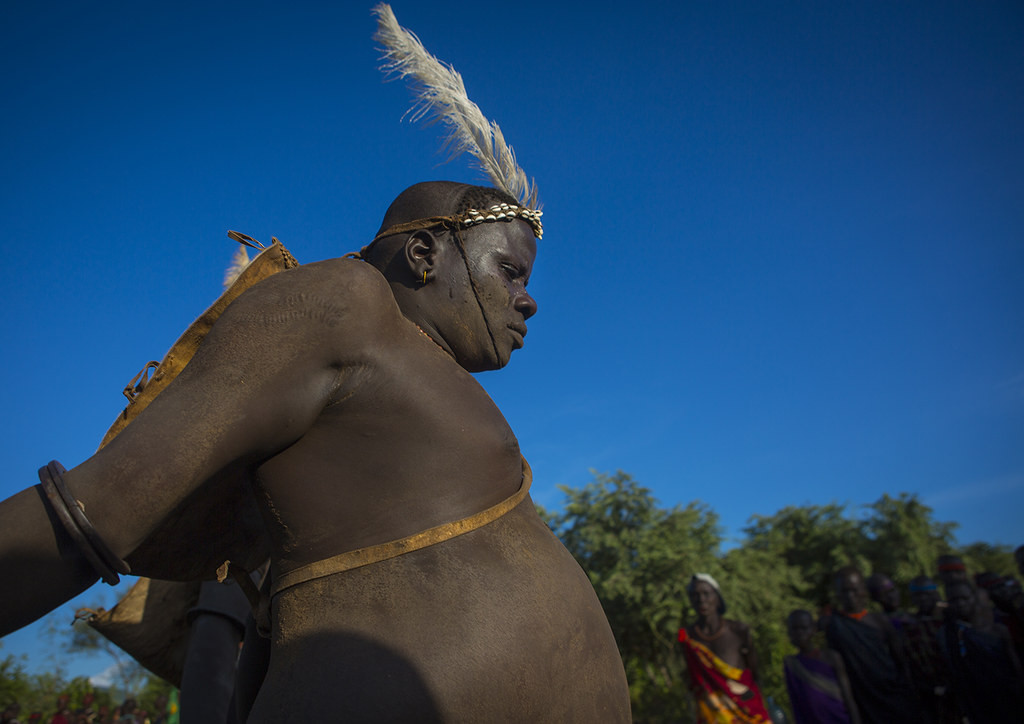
(884, 592)
(951, 569)
(128, 710)
(986, 673)
(1008, 600)
(720, 659)
(872, 653)
(819, 689)
(927, 667)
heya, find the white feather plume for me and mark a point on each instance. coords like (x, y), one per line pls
(441, 96)
(239, 261)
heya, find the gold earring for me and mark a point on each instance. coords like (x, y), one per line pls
(424, 276)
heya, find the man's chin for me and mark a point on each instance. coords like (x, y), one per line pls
(485, 365)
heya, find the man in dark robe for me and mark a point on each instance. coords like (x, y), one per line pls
(872, 653)
(816, 680)
(1008, 600)
(342, 389)
(984, 669)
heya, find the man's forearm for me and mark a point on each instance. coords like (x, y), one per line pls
(39, 565)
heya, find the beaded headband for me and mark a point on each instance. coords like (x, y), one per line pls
(468, 218)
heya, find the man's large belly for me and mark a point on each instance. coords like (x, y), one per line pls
(499, 624)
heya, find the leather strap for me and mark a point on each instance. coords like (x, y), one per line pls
(375, 554)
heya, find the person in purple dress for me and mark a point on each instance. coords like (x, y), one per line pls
(816, 680)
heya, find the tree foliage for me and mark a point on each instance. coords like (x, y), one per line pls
(39, 692)
(640, 556)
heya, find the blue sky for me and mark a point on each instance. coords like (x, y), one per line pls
(783, 259)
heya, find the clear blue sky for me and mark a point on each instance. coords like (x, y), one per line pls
(783, 259)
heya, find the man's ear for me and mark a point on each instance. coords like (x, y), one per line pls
(422, 250)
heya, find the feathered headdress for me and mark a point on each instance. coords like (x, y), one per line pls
(441, 96)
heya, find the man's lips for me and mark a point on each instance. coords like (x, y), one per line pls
(519, 331)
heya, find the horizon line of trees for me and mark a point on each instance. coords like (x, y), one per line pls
(640, 556)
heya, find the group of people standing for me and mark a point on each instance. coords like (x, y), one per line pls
(949, 661)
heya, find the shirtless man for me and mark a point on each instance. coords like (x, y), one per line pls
(721, 661)
(342, 389)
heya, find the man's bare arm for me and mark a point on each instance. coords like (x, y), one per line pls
(257, 383)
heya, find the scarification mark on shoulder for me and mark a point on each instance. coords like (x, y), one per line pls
(297, 307)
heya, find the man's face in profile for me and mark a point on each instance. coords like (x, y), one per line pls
(495, 306)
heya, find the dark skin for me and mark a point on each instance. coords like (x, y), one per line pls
(729, 640)
(347, 391)
(800, 627)
(852, 597)
(926, 602)
(963, 604)
(884, 592)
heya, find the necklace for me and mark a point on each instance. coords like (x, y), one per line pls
(710, 637)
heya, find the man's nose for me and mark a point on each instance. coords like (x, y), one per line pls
(525, 304)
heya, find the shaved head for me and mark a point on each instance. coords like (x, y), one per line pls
(439, 198)
(423, 201)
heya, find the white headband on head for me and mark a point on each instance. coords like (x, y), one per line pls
(706, 578)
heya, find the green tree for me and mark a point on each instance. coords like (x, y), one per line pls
(760, 589)
(981, 557)
(640, 556)
(903, 538)
(15, 684)
(815, 540)
(130, 676)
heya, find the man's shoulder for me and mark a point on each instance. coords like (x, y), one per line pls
(739, 628)
(334, 309)
(355, 279)
(333, 292)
